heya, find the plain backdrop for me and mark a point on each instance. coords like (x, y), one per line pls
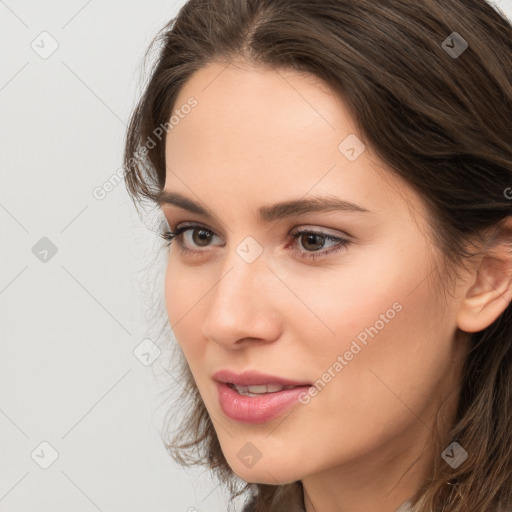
(79, 401)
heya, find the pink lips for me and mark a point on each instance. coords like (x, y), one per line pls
(252, 378)
(256, 409)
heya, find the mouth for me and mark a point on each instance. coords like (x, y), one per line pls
(261, 389)
(255, 397)
(255, 380)
(258, 403)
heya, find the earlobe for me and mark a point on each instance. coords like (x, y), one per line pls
(491, 292)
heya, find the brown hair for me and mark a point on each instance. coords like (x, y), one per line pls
(442, 122)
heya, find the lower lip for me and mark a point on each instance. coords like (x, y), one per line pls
(257, 409)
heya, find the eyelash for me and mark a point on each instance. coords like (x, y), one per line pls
(169, 235)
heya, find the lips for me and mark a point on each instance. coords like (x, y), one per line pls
(253, 397)
(253, 378)
(257, 408)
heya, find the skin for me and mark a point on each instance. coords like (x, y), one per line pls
(258, 137)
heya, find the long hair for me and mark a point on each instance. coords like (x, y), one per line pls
(438, 114)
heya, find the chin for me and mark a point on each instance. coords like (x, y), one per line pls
(262, 473)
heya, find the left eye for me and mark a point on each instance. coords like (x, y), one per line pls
(314, 239)
(200, 236)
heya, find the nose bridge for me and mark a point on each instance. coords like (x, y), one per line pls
(237, 286)
(240, 305)
(245, 266)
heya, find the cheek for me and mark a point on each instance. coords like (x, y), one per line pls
(397, 375)
(395, 342)
(379, 295)
(360, 300)
(173, 289)
(181, 294)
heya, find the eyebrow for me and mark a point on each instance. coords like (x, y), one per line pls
(268, 213)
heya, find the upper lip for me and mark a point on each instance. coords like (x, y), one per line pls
(254, 378)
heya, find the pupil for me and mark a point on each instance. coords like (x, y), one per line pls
(203, 236)
(311, 238)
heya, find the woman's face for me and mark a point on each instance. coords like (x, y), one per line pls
(359, 318)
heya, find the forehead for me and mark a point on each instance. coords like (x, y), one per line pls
(237, 102)
(265, 133)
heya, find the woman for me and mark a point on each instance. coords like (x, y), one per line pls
(336, 181)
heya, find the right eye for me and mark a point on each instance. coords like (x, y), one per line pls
(197, 236)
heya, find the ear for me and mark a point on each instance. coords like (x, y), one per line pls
(491, 291)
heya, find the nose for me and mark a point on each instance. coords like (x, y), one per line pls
(243, 306)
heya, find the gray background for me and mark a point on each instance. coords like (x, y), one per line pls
(72, 319)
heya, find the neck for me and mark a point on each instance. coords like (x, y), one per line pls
(369, 487)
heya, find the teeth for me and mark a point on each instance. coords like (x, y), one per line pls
(260, 389)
